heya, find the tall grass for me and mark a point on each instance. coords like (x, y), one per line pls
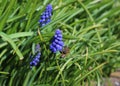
(91, 29)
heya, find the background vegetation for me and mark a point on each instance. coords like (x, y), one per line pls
(91, 29)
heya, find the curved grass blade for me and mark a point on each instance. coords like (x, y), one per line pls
(78, 79)
(9, 40)
(1, 72)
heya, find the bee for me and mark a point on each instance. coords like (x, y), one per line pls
(65, 51)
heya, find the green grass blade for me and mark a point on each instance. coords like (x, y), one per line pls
(9, 40)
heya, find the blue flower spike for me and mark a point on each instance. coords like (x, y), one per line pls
(36, 58)
(46, 16)
(57, 43)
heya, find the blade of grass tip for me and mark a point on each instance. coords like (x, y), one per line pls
(33, 48)
(79, 79)
(41, 38)
(2, 53)
(3, 44)
(1, 72)
(9, 40)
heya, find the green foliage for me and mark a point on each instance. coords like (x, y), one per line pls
(90, 29)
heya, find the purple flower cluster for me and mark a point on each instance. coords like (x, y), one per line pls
(57, 43)
(36, 58)
(46, 16)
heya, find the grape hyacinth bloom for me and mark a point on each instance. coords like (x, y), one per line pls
(46, 16)
(36, 58)
(57, 43)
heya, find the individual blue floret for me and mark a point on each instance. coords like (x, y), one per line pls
(57, 43)
(46, 16)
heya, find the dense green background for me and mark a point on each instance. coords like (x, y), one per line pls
(91, 29)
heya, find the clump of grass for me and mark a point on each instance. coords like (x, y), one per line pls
(90, 29)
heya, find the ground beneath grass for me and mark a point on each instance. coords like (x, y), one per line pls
(114, 79)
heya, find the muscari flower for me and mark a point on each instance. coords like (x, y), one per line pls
(46, 16)
(57, 43)
(36, 58)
